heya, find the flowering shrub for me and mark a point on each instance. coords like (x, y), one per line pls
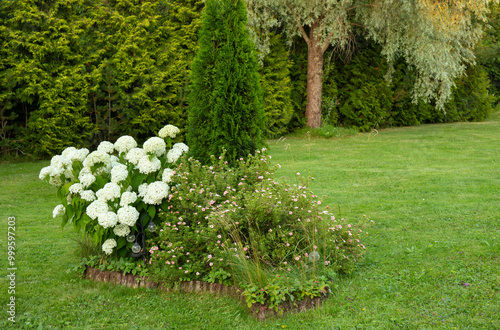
(238, 225)
(104, 192)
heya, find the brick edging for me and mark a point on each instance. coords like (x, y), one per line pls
(259, 311)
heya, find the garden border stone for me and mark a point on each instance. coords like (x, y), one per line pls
(259, 311)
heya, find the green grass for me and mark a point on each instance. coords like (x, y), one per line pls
(433, 191)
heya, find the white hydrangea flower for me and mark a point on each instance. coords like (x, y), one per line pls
(108, 219)
(147, 165)
(76, 188)
(97, 157)
(80, 155)
(128, 215)
(109, 192)
(68, 173)
(173, 155)
(168, 173)
(169, 130)
(121, 230)
(87, 195)
(45, 172)
(109, 245)
(96, 208)
(134, 155)
(181, 146)
(86, 179)
(125, 143)
(143, 189)
(58, 210)
(128, 198)
(60, 161)
(155, 146)
(119, 173)
(156, 192)
(106, 146)
(68, 152)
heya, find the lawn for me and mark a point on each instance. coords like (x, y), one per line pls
(433, 255)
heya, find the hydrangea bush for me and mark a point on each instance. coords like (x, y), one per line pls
(104, 192)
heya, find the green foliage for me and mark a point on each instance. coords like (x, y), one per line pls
(364, 96)
(225, 102)
(277, 86)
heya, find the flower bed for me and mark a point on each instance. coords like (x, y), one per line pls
(173, 219)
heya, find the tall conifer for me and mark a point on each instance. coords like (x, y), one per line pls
(225, 101)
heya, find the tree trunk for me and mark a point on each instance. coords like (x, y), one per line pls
(314, 82)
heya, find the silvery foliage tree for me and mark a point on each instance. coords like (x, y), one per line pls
(436, 37)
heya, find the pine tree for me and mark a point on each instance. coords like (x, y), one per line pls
(225, 101)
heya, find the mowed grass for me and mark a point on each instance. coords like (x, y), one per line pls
(433, 255)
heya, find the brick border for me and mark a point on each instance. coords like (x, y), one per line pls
(259, 311)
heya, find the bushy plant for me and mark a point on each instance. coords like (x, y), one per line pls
(238, 225)
(105, 192)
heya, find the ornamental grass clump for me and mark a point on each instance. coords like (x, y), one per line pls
(103, 193)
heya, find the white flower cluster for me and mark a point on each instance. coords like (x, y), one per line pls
(97, 157)
(168, 173)
(60, 170)
(108, 246)
(128, 215)
(108, 219)
(155, 146)
(58, 210)
(121, 230)
(106, 146)
(147, 166)
(128, 197)
(182, 146)
(125, 144)
(87, 195)
(109, 192)
(156, 192)
(173, 155)
(86, 177)
(169, 130)
(134, 155)
(74, 154)
(119, 173)
(96, 208)
(76, 188)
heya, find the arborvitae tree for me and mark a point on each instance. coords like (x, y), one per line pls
(225, 102)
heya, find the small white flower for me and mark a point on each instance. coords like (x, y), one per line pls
(76, 188)
(109, 245)
(128, 197)
(87, 195)
(60, 161)
(68, 151)
(169, 130)
(119, 173)
(156, 192)
(167, 175)
(125, 144)
(147, 166)
(58, 210)
(121, 230)
(45, 172)
(128, 215)
(106, 146)
(155, 146)
(86, 179)
(134, 155)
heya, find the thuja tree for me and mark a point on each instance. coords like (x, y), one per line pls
(435, 37)
(225, 101)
